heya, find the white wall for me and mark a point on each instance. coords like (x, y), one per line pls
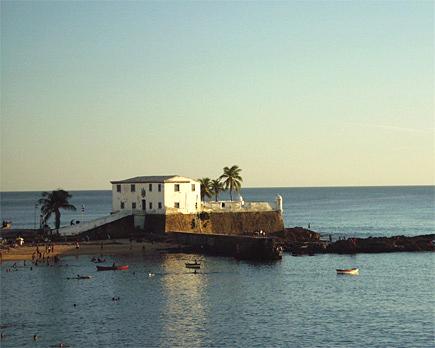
(190, 201)
(129, 197)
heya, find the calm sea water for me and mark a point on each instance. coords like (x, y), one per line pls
(356, 211)
(296, 302)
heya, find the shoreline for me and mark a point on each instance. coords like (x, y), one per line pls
(297, 241)
(92, 248)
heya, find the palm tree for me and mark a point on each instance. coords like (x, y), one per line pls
(232, 179)
(216, 187)
(51, 202)
(205, 188)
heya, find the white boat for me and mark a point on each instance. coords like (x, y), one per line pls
(350, 271)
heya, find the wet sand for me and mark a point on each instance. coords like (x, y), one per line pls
(112, 247)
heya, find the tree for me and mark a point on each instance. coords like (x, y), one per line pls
(52, 202)
(232, 179)
(216, 187)
(205, 188)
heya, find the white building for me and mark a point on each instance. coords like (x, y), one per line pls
(157, 195)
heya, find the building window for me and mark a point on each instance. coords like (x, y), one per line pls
(193, 187)
(177, 205)
(150, 187)
(151, 205)
(160, 187)
(133, 188)
(133, 205)
(160, 205)
(118, 188)
(177, 187)
(122, 205)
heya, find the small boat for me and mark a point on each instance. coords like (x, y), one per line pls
(80, 277)
(351, 271)
(112, 268)
(193, 265)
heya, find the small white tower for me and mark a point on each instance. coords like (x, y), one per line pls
(278, 201)
(242, 202)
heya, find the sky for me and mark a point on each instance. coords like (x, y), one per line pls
(295, 93)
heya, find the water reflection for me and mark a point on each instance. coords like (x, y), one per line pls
(184, 293)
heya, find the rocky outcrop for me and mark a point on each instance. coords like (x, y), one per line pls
(382, 244)
(297, 234)
(299, 240)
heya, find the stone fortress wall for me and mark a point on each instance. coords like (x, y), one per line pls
(231, 223)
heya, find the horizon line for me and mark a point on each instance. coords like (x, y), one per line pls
(256, 187)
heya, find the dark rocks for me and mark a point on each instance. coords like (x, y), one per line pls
(297, 234)
(383, 244)
(300, 241)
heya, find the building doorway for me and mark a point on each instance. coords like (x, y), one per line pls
(144, 204)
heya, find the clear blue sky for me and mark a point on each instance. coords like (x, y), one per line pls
(295, 93)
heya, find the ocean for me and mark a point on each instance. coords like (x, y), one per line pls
(294, 302)
(347, 211)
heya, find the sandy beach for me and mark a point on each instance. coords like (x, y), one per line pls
(94, 248)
